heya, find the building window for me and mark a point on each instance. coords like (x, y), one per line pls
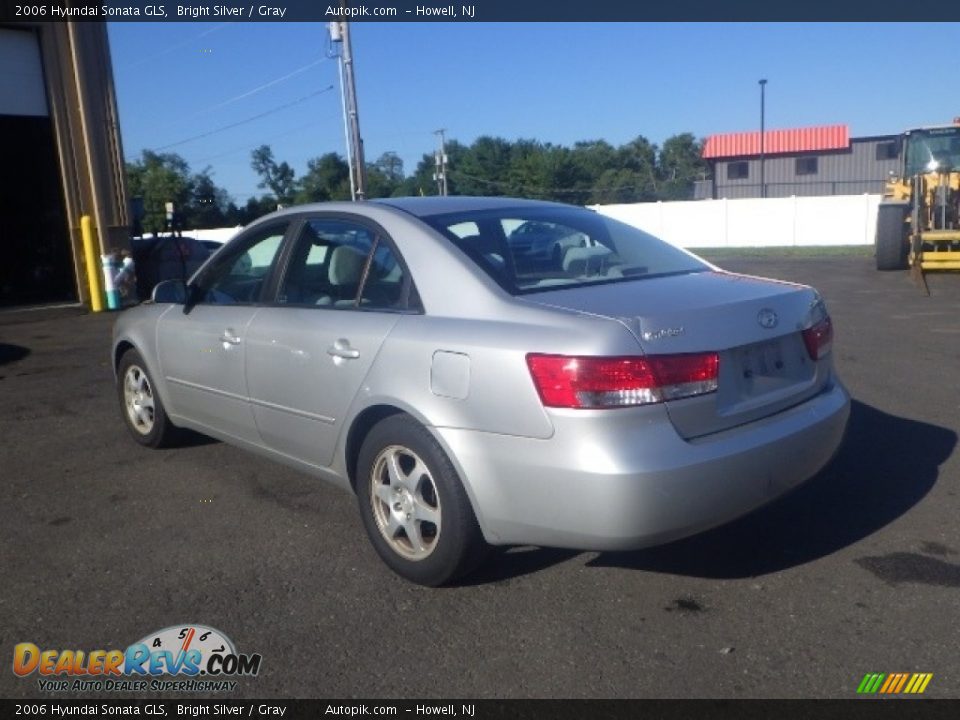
(807, 166)
(887, 150)
(738, 171)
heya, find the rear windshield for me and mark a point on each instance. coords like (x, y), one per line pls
(535, 249)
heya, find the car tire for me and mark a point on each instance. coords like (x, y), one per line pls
(140, 406)
(891, 242)
(414, 507)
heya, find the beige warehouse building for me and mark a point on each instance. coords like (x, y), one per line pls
(61, 158)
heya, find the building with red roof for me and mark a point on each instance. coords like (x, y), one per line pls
(822, 160)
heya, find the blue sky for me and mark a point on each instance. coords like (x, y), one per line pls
(553, 82)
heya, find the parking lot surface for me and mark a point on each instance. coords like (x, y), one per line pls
(104, 542)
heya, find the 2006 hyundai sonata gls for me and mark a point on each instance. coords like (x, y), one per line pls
(598, 389)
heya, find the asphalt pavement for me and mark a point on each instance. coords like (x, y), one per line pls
(103, 542)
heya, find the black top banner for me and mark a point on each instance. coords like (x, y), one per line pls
(860, 709)
(479, 11)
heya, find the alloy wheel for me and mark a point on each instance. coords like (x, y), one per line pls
(405, 503)
(138, 400)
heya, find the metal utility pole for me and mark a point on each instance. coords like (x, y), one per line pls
(336, 36)
(441, 161)
(763, 87)
(353, 115)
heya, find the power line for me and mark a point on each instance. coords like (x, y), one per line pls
(172, 48)
(247, 147)
(247, 120)
(260, 88)
(270, 83)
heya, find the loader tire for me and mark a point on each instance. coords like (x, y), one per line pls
(891, 243)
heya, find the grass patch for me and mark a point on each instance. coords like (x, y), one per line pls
(787, 252)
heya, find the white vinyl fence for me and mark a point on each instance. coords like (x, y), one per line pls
(220, 235)
(768, 222)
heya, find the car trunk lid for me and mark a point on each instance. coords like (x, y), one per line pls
(754, 324)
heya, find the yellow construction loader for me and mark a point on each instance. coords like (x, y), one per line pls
(918, 221)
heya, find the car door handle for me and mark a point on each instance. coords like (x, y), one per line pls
(229, 337)
(341, 349)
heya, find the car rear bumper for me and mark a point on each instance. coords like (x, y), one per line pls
(618, 480)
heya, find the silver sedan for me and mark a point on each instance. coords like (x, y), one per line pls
(616, 394)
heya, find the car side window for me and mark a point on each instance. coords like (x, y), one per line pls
(241, 269)
(385, 283)
(341, 264)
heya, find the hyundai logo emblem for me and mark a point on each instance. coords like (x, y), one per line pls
(767, 318)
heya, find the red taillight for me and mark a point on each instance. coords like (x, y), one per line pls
(819, 338)
(609, 382)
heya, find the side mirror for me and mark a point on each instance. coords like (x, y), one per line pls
(170, 291)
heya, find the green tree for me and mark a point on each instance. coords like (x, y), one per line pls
(327, 178)
(390, 165)
(639, 156)
(421, 182)
(279, 178)
(592, 158)
(480, 169)
(378, 184)
(525, 175)
(208, 203)
(621, 185)
(563, 179)
(233, 215)
(255, 207)
(159, 178)
(385, 176)
(680, 164)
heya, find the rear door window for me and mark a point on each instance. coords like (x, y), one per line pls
(341, 264)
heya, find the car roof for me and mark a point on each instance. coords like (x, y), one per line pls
(426, 206)
(419, 207)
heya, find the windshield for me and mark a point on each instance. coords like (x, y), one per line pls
(936, 149)
(544, 248)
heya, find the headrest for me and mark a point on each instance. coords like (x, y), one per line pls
(584, 260)
(346, 265)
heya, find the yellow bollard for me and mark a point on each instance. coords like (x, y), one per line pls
(93, 267)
